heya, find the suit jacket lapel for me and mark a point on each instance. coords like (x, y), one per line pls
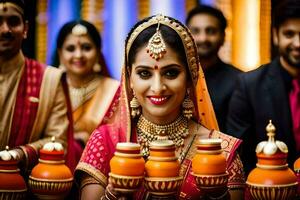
(279, 103)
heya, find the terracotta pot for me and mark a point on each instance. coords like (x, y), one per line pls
(272, 179)
(211, 181)
(270, 183)
(163, 186)
(127, 167)
(297, 173)
(209, 168)
(51, 178)
(12, 184)
(162, 170)
(209, 159)
(162, 161)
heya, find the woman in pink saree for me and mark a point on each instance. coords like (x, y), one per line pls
(162, 88)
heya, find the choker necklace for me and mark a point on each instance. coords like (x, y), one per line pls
(148, 132)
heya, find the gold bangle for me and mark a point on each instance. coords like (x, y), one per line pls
(110, 195)
(103, 198)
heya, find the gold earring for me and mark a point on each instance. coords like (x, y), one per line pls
(187, 105)
(135, 107)
(97, 67)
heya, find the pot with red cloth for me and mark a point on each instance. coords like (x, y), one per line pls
(12, 184)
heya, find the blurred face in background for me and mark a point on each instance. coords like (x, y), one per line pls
(287, 38)
(208, 36)
(78, 54)
(12, 31)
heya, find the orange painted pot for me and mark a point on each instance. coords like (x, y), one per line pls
(162, 161)
(127, 160)
(51, 178)
(12, 184)
(127, 167)
(297, 173)
(163, 186)
(209, 159)
(272, 179)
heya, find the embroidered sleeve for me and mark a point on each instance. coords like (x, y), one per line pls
(96, 156)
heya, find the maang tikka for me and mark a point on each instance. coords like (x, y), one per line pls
(156, 46)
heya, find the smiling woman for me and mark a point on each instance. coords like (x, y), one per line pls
(159, 85)
(91, 89)
(161, 80)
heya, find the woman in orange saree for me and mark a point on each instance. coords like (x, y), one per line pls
(162, 80)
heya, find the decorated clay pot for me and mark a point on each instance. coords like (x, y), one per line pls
(51, 178)
(209, 167)
(209, 159)
(162, 161)
(127, 167)
(163, 186)
(12, 184)
(162, 168)
(297, 173)
(272, 179)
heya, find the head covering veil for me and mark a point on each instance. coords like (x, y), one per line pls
(204, 112)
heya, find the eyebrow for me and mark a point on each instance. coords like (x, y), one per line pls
(163, 68)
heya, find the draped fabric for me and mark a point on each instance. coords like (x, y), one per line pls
(27, 102)
(74, 150)
(120, 127)
(25, 115)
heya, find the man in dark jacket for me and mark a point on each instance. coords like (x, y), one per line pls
(269, 92)
(207, 25)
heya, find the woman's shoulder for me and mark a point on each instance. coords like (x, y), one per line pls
(110, 80)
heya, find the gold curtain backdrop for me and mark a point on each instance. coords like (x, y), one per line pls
(248, 35)
(41, 31)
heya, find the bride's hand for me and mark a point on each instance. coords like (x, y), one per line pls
(112, 194)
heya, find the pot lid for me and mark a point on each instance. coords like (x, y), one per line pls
(271, 146)
(53, 145)
(7, 155)
(162, 144)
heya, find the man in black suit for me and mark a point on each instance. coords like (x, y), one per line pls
(207, 25)
(265, 93)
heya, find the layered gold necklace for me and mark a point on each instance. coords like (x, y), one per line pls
(147, 132)
(80, 95)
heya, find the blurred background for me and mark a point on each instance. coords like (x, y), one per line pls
(248, 35)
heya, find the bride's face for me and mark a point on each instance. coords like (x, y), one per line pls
(159, 85)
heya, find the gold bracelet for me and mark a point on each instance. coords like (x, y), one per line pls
(103, 198)
(109, 195)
